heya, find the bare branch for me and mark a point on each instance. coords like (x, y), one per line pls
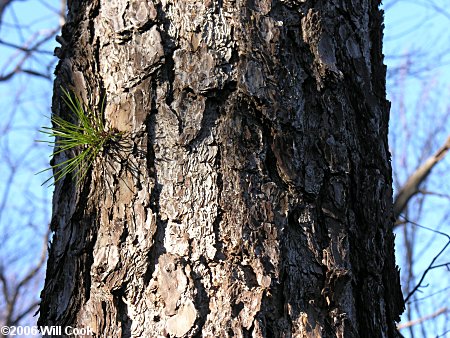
(39, 265)
(35, 73)
(24, 49)
(431, 266)
(24, 313)
(3, 5)
(433, 193)
(411, 187)
(428, 296)
(11, 296)
(422, 319)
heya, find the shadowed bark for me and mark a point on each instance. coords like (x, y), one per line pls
(253, 198)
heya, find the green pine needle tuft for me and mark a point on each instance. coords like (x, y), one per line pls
(82, 141)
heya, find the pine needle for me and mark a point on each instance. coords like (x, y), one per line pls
(82, 141)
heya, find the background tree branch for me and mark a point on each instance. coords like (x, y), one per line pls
(412, 185)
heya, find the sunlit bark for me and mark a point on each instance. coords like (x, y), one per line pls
(253, 195)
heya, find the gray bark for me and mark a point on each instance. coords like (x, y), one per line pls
(253, 197)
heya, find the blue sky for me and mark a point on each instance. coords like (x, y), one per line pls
(24, 103)
(416, 46)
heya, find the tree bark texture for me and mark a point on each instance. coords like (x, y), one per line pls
(253, 197)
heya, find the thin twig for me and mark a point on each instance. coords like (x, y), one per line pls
(430, 266)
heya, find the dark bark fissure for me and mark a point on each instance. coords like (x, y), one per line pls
(220, 256)
(202, 299)
(213, 103)
(122, 310)
(157, 248)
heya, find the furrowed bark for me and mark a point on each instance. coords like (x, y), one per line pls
(253, 198)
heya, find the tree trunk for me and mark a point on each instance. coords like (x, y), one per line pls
(253, 197)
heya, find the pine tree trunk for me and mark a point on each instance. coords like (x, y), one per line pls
(253, 197)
